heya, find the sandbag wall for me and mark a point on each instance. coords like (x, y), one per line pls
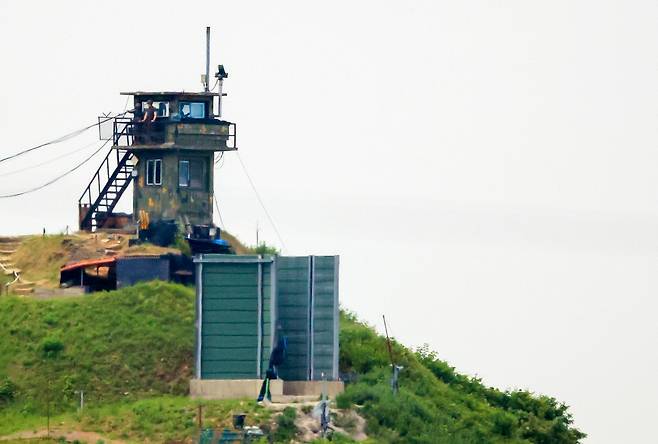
(244, 303)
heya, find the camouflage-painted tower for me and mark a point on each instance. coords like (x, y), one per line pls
(167, 148)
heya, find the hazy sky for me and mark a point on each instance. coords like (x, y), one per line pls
(485, 169)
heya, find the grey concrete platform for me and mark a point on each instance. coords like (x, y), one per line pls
(231, 388)
(249, 388)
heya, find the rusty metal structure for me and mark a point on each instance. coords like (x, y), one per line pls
(168, 157)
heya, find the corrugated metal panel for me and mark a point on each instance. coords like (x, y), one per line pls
(131, 270)
(293, 296)
(243, 301)
(307, 312)
(325, 312)
(234, 299)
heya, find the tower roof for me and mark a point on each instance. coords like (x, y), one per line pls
(169, 93)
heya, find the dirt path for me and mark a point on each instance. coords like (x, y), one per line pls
(69, 435)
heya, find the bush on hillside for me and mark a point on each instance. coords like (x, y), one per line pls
(436, 404)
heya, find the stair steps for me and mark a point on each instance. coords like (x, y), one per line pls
(107, 190)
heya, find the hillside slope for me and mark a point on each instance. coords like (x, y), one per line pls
(128, 346)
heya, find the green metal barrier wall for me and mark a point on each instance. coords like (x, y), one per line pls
(234, 298)
(307, 307)
(238, 297)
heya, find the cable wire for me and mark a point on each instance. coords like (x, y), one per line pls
(221, 157)
(52, 181)
(221, 221)
(244, 168)
(54, 159)
(58, 140)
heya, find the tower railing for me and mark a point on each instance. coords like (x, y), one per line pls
(209, 133)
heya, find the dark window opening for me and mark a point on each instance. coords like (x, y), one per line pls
(192, 174)
(154, 172)
(162, 108)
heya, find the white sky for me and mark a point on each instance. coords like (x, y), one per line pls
(485, 169)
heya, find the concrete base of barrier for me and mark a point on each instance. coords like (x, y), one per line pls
(313, 388)
(231, 388)
(249, 388)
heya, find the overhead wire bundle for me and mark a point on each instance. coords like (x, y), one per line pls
(53, 142)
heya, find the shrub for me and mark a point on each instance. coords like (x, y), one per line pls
(7, 390)
(286, 429)
(263, 248)
(51, 347)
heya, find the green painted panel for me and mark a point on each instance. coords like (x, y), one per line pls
(232, 292)
(230, 315)
(229, 366)
(213, 331)
(231, 342)
(293, 297)
(229, 304)
(324, 313)
(228, 375)
(229, 354)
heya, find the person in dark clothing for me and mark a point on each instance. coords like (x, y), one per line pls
(150, 116)
(138, 116)
(277, 357)
(137, 112)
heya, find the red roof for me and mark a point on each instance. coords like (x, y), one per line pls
(89, 263)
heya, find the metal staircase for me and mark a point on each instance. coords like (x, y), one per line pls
(105, 189)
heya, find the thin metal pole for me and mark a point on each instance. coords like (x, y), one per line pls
(388, 342)
(207, 58)
(219, 98)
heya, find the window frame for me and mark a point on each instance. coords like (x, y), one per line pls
(202, 164)
(188, 178)
(167, 111)
(154, 166)
(182, 103)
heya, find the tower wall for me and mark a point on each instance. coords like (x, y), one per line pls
(169, 200)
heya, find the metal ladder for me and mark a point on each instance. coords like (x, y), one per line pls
(105, 188)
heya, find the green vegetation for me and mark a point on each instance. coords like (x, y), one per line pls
(435, 404)
(159, 419)
(263, 248)
(131, 351)
(122, 345)
(286, 430)
(240, 248)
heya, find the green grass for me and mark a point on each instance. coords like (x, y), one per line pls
(435, 404)
(159, 419)
(131, 351)
(40, 257)
(121, 345)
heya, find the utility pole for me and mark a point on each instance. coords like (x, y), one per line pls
(207, 88)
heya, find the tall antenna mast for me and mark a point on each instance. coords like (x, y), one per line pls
(207, 82)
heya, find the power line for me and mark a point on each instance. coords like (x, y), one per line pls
(244, 168)
(58, 140)
(218, 212)
(54, 159)
(221, 157)
(52, 181)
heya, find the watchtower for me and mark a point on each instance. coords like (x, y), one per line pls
(168, 152)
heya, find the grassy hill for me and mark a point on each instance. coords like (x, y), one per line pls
(131, 351)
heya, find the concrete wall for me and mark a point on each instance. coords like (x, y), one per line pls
(169, 201)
